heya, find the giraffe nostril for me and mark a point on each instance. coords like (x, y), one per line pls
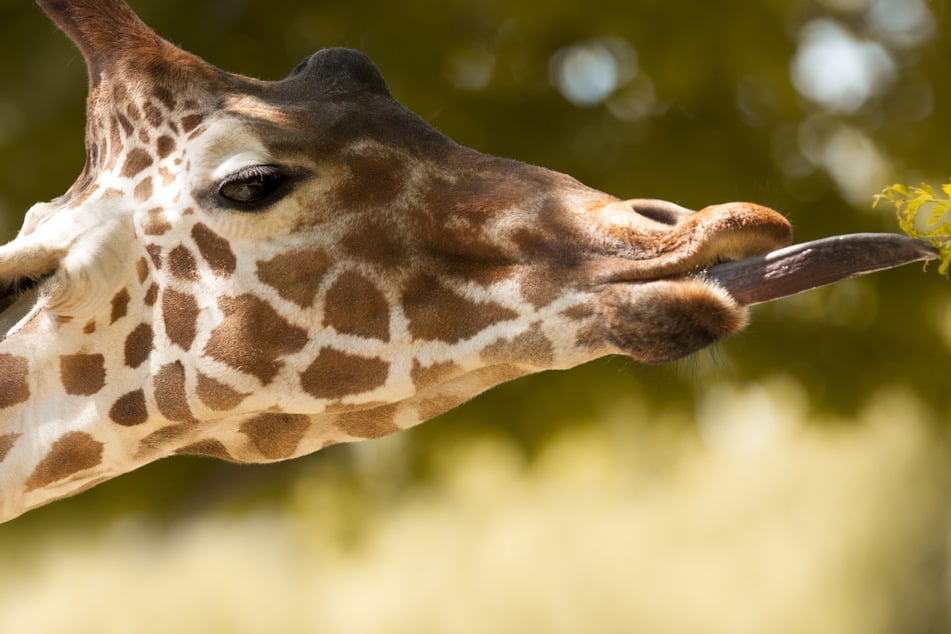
(661, 211)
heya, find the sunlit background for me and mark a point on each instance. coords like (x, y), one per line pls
(794, 479)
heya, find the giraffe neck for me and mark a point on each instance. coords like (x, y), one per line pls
(52, 441)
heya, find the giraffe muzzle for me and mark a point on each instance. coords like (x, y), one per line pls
(725, 258)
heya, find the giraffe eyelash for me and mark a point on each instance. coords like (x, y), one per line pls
(253, 187)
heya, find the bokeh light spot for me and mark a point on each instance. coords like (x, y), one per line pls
(587, 74)
(638, 100)
(901, 23)
(853, 161)
(838, 70)
(470, 67)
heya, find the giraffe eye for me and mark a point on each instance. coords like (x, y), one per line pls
(253, 184)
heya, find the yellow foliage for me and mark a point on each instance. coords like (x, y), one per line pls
(923, 215)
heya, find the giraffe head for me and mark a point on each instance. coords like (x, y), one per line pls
(254, 270)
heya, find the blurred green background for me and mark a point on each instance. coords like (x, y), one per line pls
(793, 479)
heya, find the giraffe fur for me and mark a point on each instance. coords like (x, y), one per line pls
(256, 270)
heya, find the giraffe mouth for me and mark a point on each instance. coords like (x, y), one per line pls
(693, 288)
(802, 267)
(743, 249)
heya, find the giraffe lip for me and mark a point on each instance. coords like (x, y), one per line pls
(698, 240)
(801, 267)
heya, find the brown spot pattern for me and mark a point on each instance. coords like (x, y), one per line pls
(115, 140)
(434, 406)
(168, 177)
(182, 263)
(216, 395)
(180, 313)
(152, 114)
(296, 275)
(434, 374)
(165, 96)
(130, 410)
(165, 146)
(579, 312)
(215, 250)
(86, 194)
(590, 335)
(120, 305)
(82, 374)
(532, 346)
(120, 92)
(143, 191)
(126, 125)
(6, 444)
(138, 345)
(133, 111)
(90, 327)
(191, 122)
(373, 181)
(151, 295)
(253, 336)
(156, 224)
(369, 423)
(346, 408)
(276, 436)
(208, 447)
(542, 287)
(142, 269)
(13, 386)
(335, 374)
(377, 244)
(163, 436)
(437, 313)
(74, 452)
(170, 395)
(136, 161)
(355, 306)
(155, 254)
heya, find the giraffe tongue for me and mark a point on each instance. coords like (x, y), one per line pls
(805, 266)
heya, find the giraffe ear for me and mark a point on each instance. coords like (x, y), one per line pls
(73, 266)
(23, 265)
(27, 258)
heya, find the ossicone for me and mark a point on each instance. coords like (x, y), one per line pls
(112, 38)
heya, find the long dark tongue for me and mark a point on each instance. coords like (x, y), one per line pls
(805, 266)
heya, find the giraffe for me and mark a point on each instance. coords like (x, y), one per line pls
(256, 270)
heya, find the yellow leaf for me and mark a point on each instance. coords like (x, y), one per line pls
(909, 202)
